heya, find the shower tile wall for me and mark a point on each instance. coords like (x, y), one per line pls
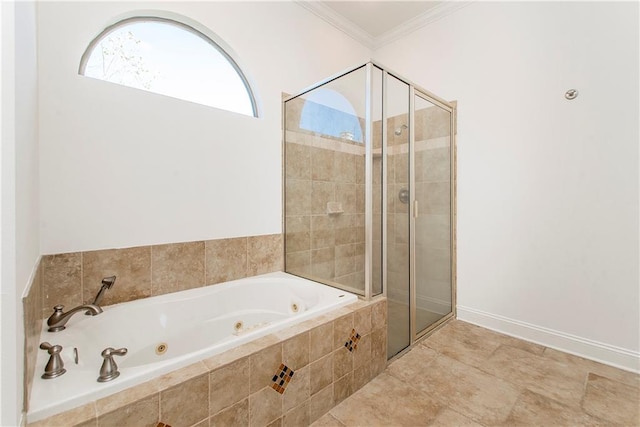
(321, 170)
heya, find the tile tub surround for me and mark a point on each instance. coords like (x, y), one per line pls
(236, 387)
(72, 279)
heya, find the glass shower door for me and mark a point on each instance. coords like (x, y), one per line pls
(398, 202)
(432, 215)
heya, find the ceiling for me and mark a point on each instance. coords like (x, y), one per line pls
(375, 23)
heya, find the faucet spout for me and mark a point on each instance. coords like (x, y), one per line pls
(59, 319)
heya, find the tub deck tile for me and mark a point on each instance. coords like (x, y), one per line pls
(126, 397)
(80, 415)
(181, 375)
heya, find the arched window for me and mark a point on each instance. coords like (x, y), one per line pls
(169, 58)
(328, 112)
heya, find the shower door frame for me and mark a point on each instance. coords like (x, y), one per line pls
(451, 107)
(415, 335)
(414, 208)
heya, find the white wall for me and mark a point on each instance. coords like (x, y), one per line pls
(20, 214)
(547, 188)
(122, 167)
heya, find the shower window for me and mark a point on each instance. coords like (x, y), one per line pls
(327, 112)
(170, 58)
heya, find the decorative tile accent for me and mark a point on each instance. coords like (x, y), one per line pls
(281, 378)
(352, 344)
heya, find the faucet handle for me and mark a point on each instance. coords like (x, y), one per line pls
(55, 365)
(58, 308)
(109, 369)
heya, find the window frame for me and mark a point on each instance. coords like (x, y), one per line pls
(170, 21)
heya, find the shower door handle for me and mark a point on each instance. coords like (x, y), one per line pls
(415, 209)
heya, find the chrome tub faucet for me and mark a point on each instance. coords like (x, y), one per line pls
(59, 319)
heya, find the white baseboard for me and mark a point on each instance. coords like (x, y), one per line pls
(600, 352)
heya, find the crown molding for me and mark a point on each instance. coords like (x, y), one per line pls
(332, 17)
(340, 22)
(419, 21)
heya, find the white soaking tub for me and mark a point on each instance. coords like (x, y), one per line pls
(171, 331)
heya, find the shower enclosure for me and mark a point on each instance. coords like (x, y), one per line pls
(369, 195)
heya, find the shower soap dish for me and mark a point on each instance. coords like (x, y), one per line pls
(334, 208)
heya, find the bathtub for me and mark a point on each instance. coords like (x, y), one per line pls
(171, 331)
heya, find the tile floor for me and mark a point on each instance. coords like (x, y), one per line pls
(464, 375)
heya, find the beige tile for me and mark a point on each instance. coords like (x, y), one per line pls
(362, 354)
(144, 412)
(131, 266)
(298, 161)
(342, 363)
(236, 353)
(185, 404)
(275, 423)
(295, 351)
(298, 200)
(229, 385)
(578, 363)
(235, 415)
(264, 365)
(362, 320)
(82, 414)
(181, 375)
(321, 193)
(265, 406)
(297, 391)
(298, 233)
(327, 420)
(378, 350)
(346, 195)
(322, 164)
(464, 342)
(538, 374)
(226, 259)
(384, 399)
(177, 267)
(299, 263)
(321, 341)
(203, 423)
(448, 417)
(342, 328)
(62, 281)
(126, 397)
(345, 167)
(534, 409)
(379, 314)
(264, 254)
(321, 373)
(481, 397)
(298, 416)
(413, 363)
(612, 401)
(322, 231)
(361, 376)
(343, 388)
(320, 403)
